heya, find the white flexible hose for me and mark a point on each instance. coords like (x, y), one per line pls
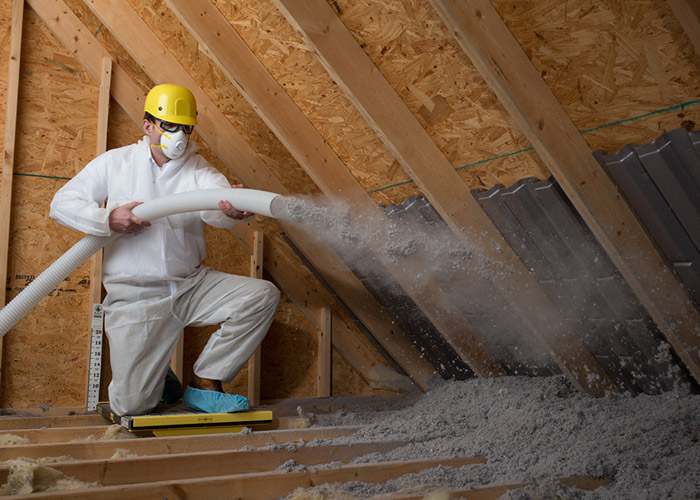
(251, 200)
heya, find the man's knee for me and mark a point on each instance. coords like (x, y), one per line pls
(271, 293)
(123, 403)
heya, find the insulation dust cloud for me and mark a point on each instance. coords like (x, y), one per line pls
(406, 254)
(426, 259)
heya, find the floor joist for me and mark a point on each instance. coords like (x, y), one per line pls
(92, 450)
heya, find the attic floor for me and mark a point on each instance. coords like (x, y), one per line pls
(509, 437)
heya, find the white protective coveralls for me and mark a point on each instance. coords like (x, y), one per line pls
(155, 282)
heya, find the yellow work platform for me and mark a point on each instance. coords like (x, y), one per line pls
(180, 420)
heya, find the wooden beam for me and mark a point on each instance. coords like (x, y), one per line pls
(225, 140)
(8, 162)
(318, 159)
(493, 49)
(394, 123)
(260, 486)
(688, 14)
(11, 424)
(103, 449)
(325, 354)
(95, 292)
(195, 465)
(256, 271)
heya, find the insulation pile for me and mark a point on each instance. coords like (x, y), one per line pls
(535, 429)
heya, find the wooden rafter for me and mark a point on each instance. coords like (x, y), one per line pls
(318, 159)
(495, 52)
(224, 139)
(394, 123)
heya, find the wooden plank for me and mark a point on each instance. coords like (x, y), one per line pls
(8, 424)
(259, 485)
(8, 161)
(393, 122)
(62, 434)
(256, 271)
(223, 138)
(325, 354)
(319, 160)
(95, 292)
(93, 449)
(193, 465)
(495, 52)
(688, 14)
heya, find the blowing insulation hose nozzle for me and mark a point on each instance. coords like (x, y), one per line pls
(251, 200)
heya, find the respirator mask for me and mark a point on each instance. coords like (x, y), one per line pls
(174, 138)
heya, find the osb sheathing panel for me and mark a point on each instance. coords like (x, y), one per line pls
(611, 61)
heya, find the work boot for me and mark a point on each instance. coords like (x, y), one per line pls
(172, 391)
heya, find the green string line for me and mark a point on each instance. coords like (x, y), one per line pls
(505, 155)
(42, 176)
(677, 106)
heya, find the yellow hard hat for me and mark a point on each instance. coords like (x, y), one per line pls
(172, 103)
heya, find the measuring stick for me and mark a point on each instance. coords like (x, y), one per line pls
(95, 368)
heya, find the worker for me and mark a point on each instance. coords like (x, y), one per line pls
(154, 277)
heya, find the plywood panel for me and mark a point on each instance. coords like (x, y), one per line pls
(44, 359)
(611, 61)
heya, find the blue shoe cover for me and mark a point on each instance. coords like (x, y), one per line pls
(213, 401)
